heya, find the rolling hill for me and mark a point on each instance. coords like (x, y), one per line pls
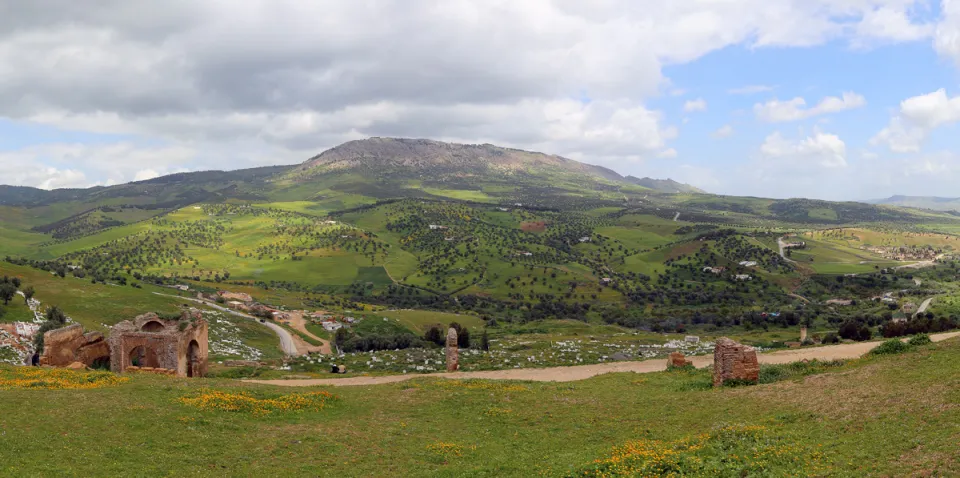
(921, 202)
(665, 185)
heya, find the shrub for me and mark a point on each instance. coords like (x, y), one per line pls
(855, 330)
(919, 339)
(831, 338)
(892, 346)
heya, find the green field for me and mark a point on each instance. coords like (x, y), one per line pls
(90, 304)
(831, 424)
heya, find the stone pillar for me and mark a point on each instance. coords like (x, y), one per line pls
(734, 361)
(453, 351)
(803, 333)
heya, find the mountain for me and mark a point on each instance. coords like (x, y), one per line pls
(922, 202)
(405, 156)
(665, 185)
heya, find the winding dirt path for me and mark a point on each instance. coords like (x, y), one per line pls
(581, 372)
(298, 323)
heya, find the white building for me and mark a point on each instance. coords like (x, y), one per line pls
(332, 326)
(742, 277)
(748, 263)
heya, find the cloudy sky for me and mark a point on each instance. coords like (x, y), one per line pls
(835, 99)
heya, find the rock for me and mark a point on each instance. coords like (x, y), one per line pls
(803, 334)
(453, 351)
(734, 361)
(677, 359)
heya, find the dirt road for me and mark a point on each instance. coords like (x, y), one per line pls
(782, 246)
(286, 340)
(581, 372)
(298, 323)
(924, 305)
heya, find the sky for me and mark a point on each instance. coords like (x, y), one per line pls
(830, 99)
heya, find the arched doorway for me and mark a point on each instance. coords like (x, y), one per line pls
(193, 359)
(138, 356)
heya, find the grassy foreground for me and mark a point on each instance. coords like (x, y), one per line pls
(882, 416)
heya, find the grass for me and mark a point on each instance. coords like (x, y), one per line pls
(840, 423)
(90, 304)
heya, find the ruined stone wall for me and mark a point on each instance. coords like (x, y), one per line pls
(64, 346)
(167, 347)
(734, 361)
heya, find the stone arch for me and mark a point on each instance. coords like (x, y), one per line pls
(138, 356)
(142, 356)
(101, 363)
(152, 326)
(193, 359)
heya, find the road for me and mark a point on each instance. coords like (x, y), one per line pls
(581, 372)
(286, 340)
(923, 306)
(782, 245)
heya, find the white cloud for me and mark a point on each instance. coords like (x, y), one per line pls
(60, 165)
(698, 104)
(725, 131)
(916, 118)
(145, 174)
(750, 90)
(821, 149)
(281, 79)
(946, 37)
(667, 153)
(890, 24)
(775, 111)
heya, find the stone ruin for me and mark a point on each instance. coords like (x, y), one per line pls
(453, 351)
(677, 359)
(151, 342)
(148, 343)
(734, 361)
(68, 345)
(803, 334)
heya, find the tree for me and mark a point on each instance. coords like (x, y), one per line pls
(463, 338)
(484, 341)
(7, 291)
(435, 335)
(16, 282)
(28, 294)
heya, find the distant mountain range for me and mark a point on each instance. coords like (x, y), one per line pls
(377, 167)
(923, 202)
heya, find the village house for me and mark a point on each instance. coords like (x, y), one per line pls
(742, 277)
(714, 270)
(606, 280)
(585, 239)
(332, 325)
(748, 263)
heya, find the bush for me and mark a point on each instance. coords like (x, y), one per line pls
(855, 330)
(920, 339)
(831, 338)
(890, 347)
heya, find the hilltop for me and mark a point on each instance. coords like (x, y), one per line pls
(665, 185)
(392, 155)
(921, 202)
